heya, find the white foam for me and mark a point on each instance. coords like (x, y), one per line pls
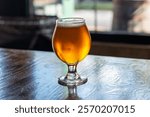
(70, 22)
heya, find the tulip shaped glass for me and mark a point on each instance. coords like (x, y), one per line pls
(71, 42)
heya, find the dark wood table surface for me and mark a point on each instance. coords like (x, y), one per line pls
(33, 75)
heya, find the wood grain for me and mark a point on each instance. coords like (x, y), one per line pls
(33, 75)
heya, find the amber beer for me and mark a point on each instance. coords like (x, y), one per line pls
(71, 41)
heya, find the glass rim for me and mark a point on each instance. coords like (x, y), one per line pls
(71, 20)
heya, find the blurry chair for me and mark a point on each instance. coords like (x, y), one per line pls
(26, 32)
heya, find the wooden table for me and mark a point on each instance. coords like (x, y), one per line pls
(33, 75)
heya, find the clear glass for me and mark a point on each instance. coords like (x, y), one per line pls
(71, 42)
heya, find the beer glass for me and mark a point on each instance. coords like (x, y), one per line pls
(71, 42)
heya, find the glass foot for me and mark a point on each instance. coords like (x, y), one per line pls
(71, 82)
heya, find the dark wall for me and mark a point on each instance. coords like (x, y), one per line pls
(15, 7)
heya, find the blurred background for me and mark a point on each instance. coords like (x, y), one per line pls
(117, 27)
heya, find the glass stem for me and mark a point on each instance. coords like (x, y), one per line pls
(72, 68)
(72, 72)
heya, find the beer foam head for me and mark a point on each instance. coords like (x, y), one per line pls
(70, 22)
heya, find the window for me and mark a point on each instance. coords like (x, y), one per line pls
(101, 15)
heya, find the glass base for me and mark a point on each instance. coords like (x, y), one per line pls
(71, 82)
